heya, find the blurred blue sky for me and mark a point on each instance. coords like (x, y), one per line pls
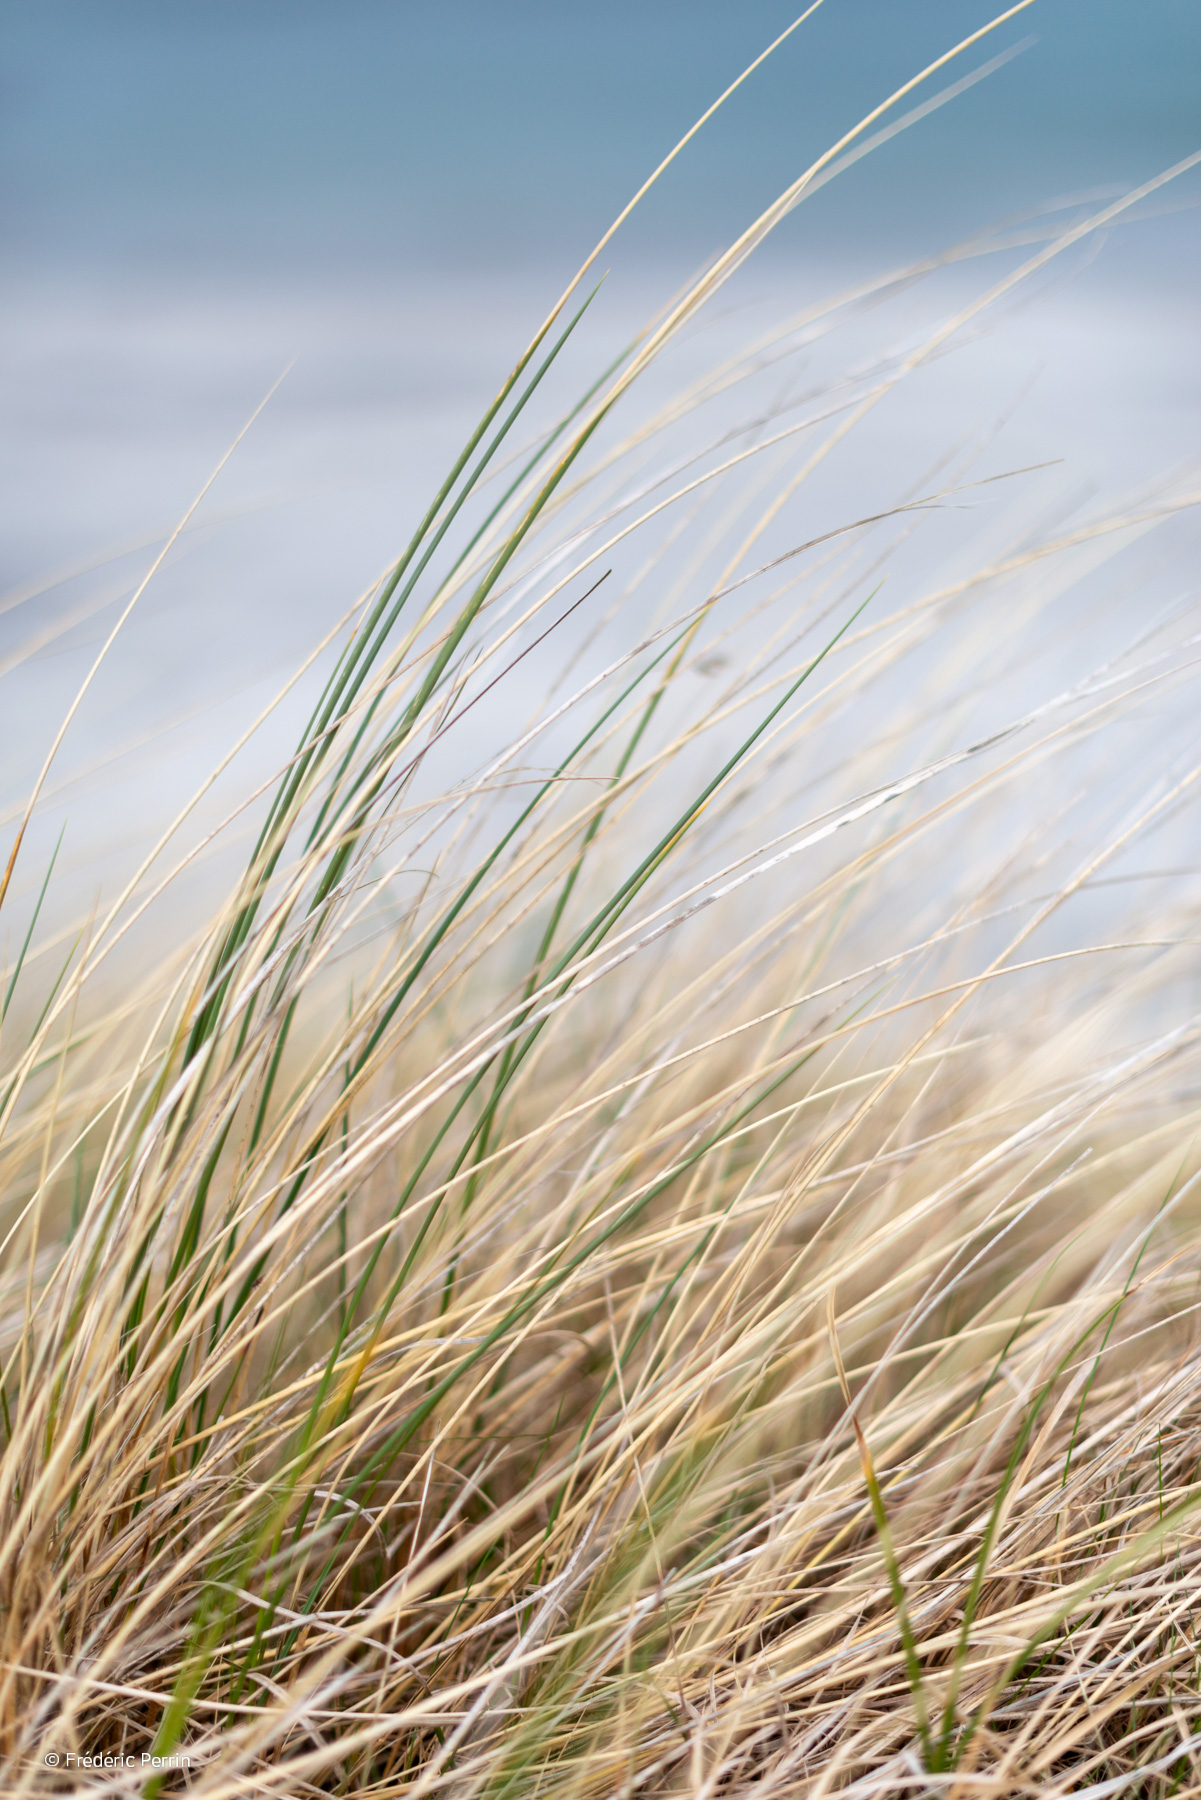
(261, 134)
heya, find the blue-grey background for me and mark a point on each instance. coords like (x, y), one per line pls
(390, 192)
(252, 136)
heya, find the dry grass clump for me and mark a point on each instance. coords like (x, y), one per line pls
(653, 1245)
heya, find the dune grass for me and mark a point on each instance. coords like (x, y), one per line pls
(652, 1244)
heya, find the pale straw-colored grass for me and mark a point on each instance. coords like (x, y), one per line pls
(652, 1246)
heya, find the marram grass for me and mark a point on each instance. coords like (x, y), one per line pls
(652, 1246)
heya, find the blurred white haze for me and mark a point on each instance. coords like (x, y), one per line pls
(385, 197)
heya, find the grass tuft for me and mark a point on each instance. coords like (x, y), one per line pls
(685, 902)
